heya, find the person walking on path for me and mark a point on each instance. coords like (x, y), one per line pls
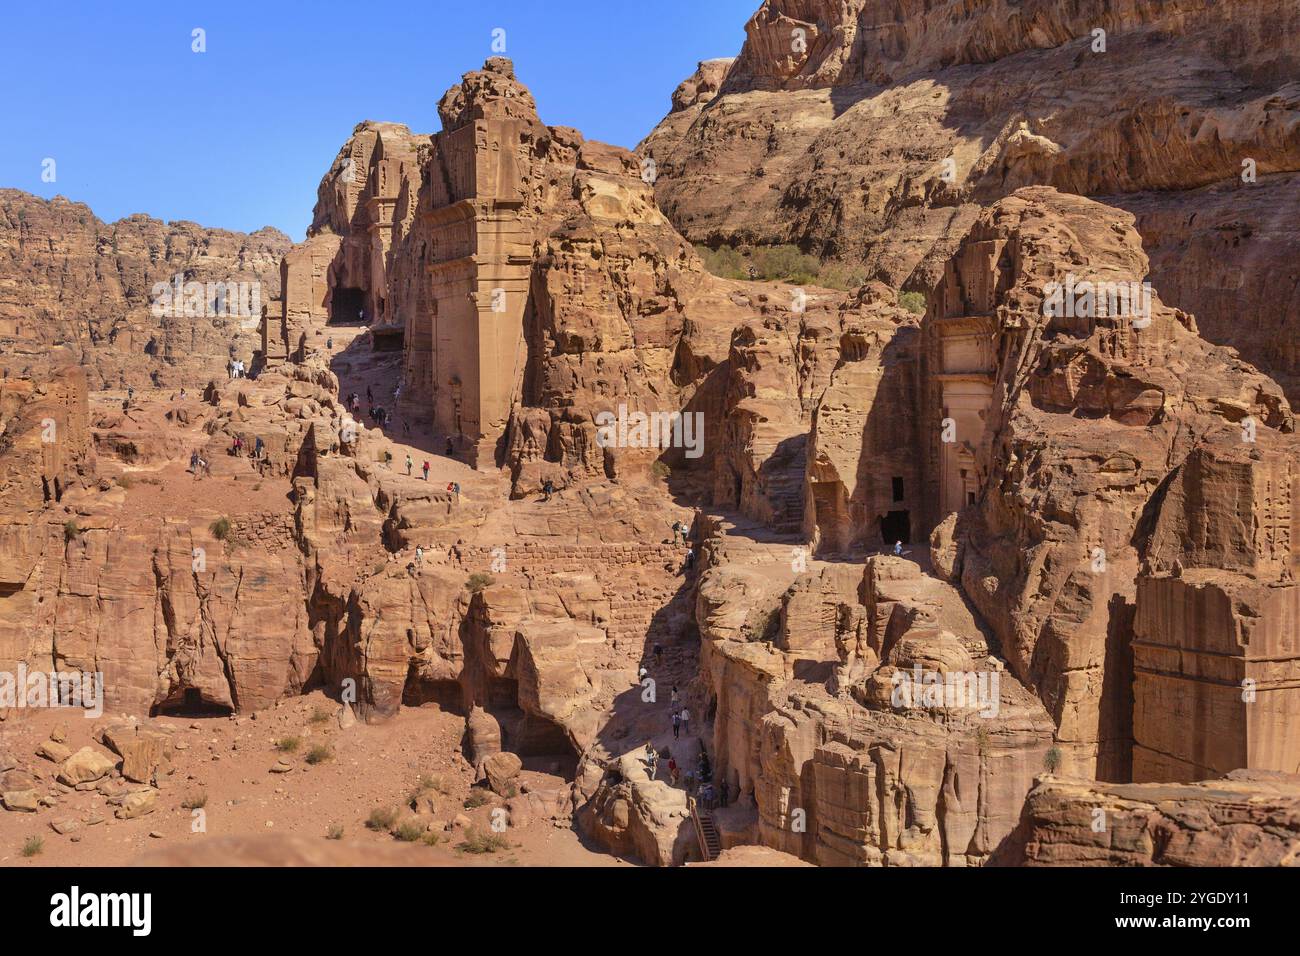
(548, 488)
(419, 556)
(679, 532)
(677, 726)
(409, 463)
(673, 770)
(454, 488)
(426, 471)
(686, 721)
(898, 548)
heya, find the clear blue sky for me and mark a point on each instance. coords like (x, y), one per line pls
(239, 136)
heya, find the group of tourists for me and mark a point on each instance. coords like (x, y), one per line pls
(199, 466)
(698, 782)
(236, 368)
(681, 535)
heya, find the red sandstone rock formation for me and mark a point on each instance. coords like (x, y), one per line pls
(873, 132)
(89, 286)
(1249, 818)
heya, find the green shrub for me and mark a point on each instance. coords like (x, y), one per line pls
(220, 528)
(478, 581)
(335, 832)
(318, 754)
(1052, 759)
(287, 745)
(724, 262)
(321, 715)
(786, 263)
(476, 799)
(70, 530)
(33, 846)
(844, 276)
(478, 842)
(382, 818)
(913, 302)
(408, 831)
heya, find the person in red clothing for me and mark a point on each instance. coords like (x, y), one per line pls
(426, 471)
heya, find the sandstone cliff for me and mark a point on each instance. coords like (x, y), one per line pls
(73, 281)
(873, 132)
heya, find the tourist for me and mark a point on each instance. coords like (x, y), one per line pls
(679, 532)
(898, 548)
(677, 726)
(686, 721)
(548, 488)
(426, 471)
(689, 562)
(329, 342)
(388, 458)
(673, 699)
(194, 461)
(672, 770)
(454, 488)
(370, 396)
(258, 448)
(642, 673)
(419, 556)
(409, 463)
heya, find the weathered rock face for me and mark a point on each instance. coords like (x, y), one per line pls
(1249, 818)
(872, 132)
(94, 288)
(811, 733)
(526, 273)
(1056, 437)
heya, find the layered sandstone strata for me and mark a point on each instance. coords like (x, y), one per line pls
(106, 293)
(1249, 818)
(874, 132)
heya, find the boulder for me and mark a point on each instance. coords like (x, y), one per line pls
(500, 770)
(85, 766)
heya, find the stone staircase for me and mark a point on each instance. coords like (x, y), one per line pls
(706, 831)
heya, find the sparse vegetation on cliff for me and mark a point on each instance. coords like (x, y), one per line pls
(784, 263)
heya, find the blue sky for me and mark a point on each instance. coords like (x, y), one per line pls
(239, 136)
